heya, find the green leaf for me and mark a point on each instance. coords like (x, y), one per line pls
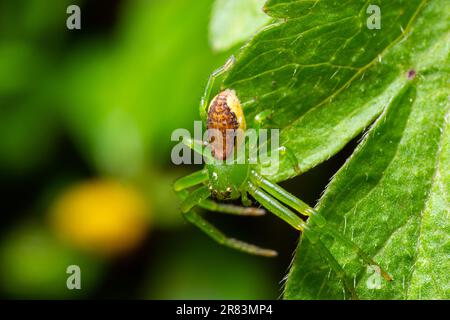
(234, 21)
(391, 198)
(326, 77)
(323, 74)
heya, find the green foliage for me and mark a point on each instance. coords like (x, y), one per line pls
(27, 124)
(326, 77)
(196, 268)
(234, 21)
(33, 265)
(123, 97)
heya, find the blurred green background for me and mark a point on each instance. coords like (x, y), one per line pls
(85, 123)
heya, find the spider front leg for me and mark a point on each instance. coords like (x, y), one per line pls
(191, 180)
(195, 198)
(221, 238)
(209, 85)
(319, 221)
(199, 197)
(199, 146)
(245, 200)
(213, 206)
(287, 215)
(286, 152)
(231, 209)
(259, 119)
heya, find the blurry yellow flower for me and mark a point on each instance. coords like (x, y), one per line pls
(101, 216)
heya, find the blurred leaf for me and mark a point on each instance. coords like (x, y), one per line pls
(125, 99)
(197, 269)
(157, 187)
(27, 134)
(19, 62)
(234, 21)
(33, 265)
(30, 20)
(27, 122)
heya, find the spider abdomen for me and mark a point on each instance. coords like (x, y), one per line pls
(225, 116)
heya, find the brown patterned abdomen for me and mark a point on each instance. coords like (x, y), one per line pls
(224, 120)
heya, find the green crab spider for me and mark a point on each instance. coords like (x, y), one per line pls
(232, 180)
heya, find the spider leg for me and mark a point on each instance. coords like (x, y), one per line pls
(319, 220)
(194, 198)
(209, 85)
(261, 117)
(190, 180)
(199, 197)
(355, 248)
(199, 147)
(221, 238)
(225, 208)
(287, 215)
(231, 209)
(276, 207)
(334, 264)
(281, 194)
(245, 200)
(285, 151)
